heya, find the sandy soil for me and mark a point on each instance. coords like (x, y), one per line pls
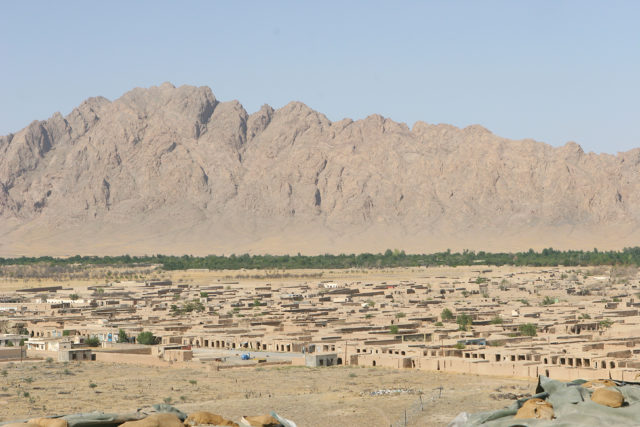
(309, 396)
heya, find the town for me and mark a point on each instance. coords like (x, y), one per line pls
(564, 323)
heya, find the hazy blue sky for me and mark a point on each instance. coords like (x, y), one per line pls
(555, 71)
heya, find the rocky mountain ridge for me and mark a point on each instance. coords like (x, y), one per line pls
(174, 170)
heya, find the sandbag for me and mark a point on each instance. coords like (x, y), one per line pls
(156, 420)
(535, 408)
(208, 418)
(27, 424)
(598, 383)
(608, 397)
(260, 421)
(49, 422)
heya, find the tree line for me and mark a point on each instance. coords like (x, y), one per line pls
(390, 258)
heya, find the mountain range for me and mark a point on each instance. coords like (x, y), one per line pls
(172, 170)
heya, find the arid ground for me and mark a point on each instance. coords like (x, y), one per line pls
(308, 396)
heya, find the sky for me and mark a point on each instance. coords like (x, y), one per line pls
(551, 70)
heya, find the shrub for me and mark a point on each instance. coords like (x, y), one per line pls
(464, 321)
(604, 324)
(437, 324)
(93, 385)
(393, 329)
(92, 341)
(496, 320)
(122, 336)
(459, 345)
(146, 338)
(528, 329)
(446, 315)
(400, 315)
(548, 301)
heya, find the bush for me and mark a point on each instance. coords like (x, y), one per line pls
(146, 338)
(548, 301)
(393, 329)
(438, 324)
(446, 315)
(459, 345)
(122, 336)
(496, 320)
(92, 341)
(528, 329)
(464, 321)
(604, 324)
(400, 315)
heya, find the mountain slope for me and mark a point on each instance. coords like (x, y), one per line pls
(173, 170)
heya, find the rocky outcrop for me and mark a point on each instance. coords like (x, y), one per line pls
(173, 170)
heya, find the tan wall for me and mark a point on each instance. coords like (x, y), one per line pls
(521, 370)
(10, 353)
(136, 359)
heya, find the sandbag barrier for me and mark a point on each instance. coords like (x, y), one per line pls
(568, 404)
(159, 415)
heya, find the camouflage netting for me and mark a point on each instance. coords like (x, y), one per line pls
(572, 406)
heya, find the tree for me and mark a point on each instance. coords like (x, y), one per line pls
(604, 324)
(464, 321)
(92, 341)
(122, 336)
(393, 329)
(446, 315)
(74, 297)
(528, 329)
(146, 338)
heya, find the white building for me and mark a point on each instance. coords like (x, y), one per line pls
(12, 340)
